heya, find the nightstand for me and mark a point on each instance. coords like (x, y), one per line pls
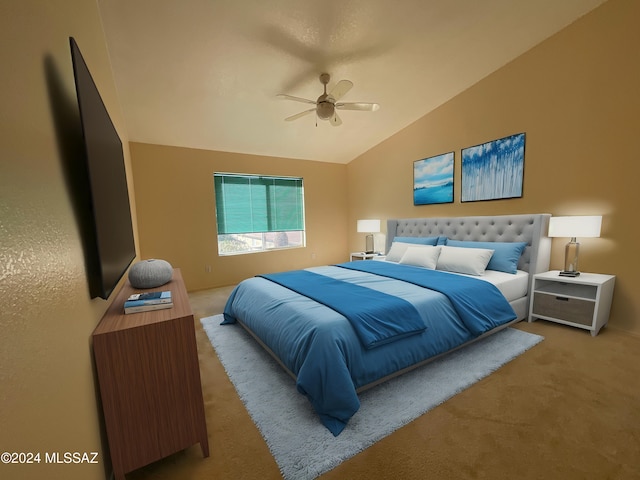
(583, 301)
(366, 256)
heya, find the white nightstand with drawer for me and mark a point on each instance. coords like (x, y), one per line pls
(583, 301)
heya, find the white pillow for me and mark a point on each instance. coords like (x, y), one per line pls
(396, 251)
(421, 256)
(472, 261)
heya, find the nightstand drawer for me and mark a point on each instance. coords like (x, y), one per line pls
(568, 309)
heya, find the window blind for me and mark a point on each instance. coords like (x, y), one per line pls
(252, 203)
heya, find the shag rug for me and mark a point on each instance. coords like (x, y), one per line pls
(302, 447)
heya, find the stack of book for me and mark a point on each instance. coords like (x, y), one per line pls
(143, 302)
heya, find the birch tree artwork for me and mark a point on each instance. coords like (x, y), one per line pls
(494, 169)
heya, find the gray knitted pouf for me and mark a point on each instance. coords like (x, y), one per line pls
(150, 273)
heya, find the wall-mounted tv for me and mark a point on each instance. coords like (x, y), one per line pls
(113, 246)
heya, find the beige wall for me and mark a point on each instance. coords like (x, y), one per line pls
(176, 211)
(47, 388)
(577, 97)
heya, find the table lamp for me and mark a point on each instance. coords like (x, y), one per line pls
(368, 226)
(573, 227)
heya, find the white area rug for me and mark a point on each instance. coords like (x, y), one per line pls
(300, 444)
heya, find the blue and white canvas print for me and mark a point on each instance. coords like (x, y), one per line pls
(494, 169)
(433, 180)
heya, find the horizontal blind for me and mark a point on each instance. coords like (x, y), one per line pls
(258, 204)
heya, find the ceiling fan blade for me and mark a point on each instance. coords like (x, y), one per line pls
(296, 99)
(298, 115)
(335, 120)
(340, 89)
(365, 107)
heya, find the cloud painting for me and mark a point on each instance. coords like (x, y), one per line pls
(433, 180)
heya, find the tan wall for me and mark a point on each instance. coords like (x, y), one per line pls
(577, 98)
(47, 389)
(176, 211)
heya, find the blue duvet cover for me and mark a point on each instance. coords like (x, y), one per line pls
(321, 347)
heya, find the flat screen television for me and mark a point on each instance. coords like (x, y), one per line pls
(113, 246)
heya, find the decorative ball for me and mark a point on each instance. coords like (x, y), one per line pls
(150, 273)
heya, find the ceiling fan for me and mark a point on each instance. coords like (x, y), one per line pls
(327, 103)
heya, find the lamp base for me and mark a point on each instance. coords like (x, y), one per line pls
(565, 273)
(369, 243)
(571, 259)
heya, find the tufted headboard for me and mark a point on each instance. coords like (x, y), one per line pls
(530, 228)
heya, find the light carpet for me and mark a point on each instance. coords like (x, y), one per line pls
(302, 447)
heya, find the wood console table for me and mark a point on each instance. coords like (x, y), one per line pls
(149, 379)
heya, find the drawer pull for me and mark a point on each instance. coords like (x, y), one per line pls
(564, 299)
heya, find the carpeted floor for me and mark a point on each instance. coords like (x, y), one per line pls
(568, 409)
(300, 444)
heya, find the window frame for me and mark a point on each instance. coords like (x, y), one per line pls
(273, 197)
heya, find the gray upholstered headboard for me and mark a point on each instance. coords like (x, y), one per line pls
(530, 228)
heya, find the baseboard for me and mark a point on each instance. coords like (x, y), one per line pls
(622, 331)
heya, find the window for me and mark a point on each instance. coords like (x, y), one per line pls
(256, 213)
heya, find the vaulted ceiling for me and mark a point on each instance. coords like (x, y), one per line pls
(205, 73)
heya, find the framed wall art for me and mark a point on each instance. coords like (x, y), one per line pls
(433, 180)
(493, 170)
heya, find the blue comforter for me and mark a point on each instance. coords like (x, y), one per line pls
(469, 297)
(320, 347)
(376, 317)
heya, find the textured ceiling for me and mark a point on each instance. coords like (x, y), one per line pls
(205, 73)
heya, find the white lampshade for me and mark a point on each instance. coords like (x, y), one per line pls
(580, 226)
(369, 226)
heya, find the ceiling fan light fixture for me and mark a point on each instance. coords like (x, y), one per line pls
(325, 110)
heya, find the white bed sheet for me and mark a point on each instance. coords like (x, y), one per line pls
(512, 286)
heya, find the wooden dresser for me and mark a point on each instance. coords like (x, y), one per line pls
(149, 378)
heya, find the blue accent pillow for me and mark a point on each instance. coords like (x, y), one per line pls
(505, 257)
(421, 240)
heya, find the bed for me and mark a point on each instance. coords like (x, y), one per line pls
(451, 281)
